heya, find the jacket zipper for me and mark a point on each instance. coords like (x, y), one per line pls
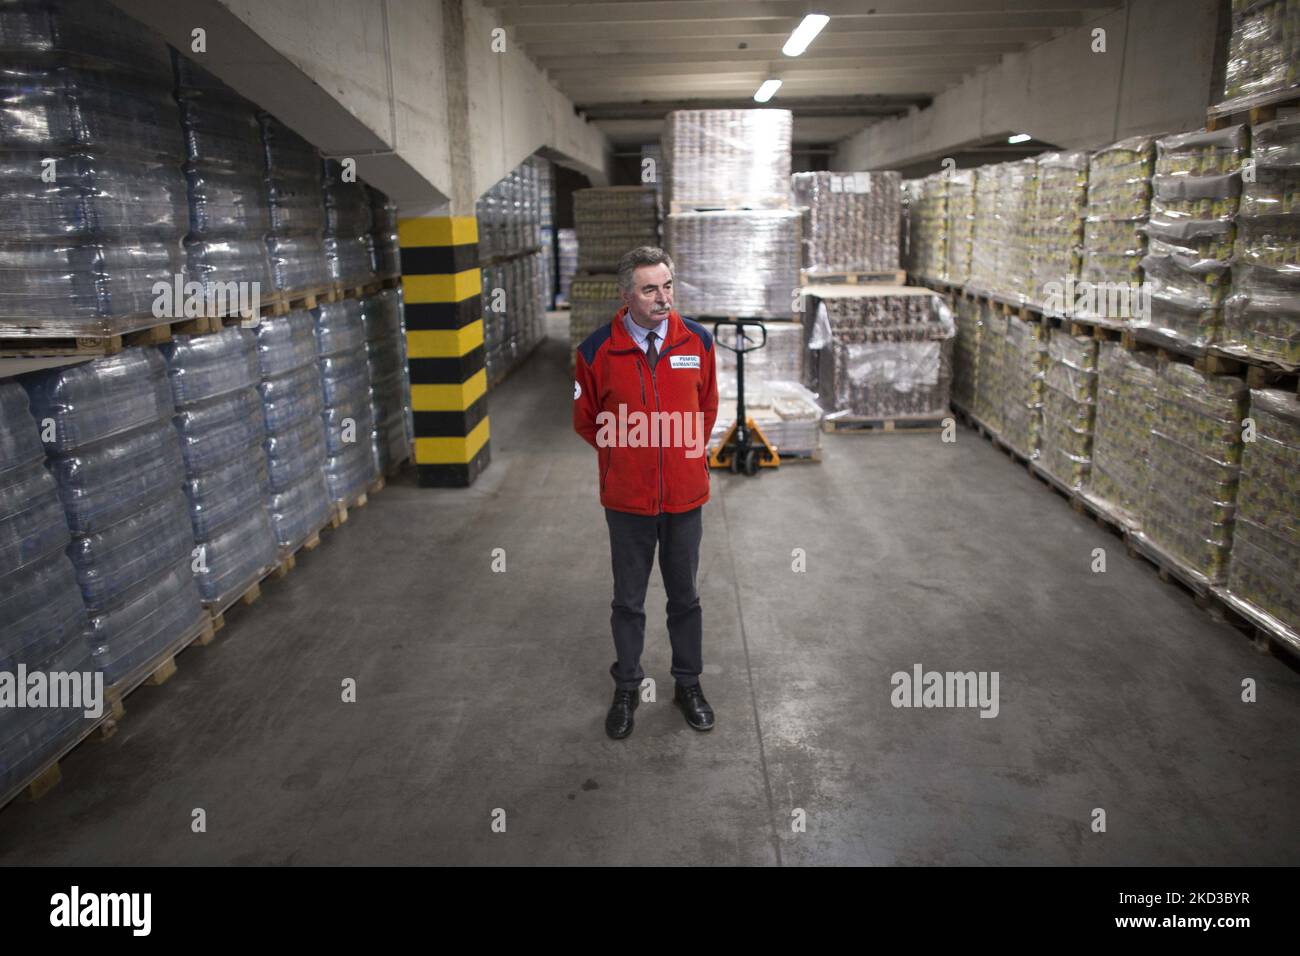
(654, 381)
(641, 376)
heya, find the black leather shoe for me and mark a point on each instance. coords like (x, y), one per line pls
(697, 710)
(618, 722)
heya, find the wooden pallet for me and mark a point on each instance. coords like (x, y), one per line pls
(246, 595)
(1068, 492)
(1231, 112)
(1167, 566)
(791, 458)
(881, 277)
(1269, 632)
(1104, 514)
(883, 426)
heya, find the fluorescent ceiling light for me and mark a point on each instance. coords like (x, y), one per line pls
(804, 33)
(766, 91)
(1019, 138)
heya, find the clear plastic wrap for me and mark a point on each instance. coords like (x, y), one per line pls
(345, 376)
(339, 327)
(959, 225)
(1195, 191)
(202, 367)
(1057, 230)
(1125, 416)
(213, 432)
(991, 387)
(20, 439)
(593, 302)
(41, 611)
(787, 413)
(348, 473)
(297, 261)
(884, 351)
(31, 516)
(782, 359)
(96, 400)
(742, 263)
(355, 409)
(1263, 52)
(296, 203)
(383, 232)
(610, 221)
(113, 562)
(286, 343)
(1024, 373)
(292, 398)
(89, 32)
(1119, 202)
(83, 286)
(1265, 561)
(300, 510)
(238, 553)
(1069, 406)
(218, 496)
(966, 352)
(853, 219)
(1195, 458)
(104, 482)
(927, 216)
(293, 453)
(130, 634)
(727, 159)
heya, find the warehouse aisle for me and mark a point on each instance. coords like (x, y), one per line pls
(479, 691)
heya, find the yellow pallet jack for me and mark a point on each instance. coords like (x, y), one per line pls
(744, 448)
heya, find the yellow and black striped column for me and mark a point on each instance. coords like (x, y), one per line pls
(444, 346)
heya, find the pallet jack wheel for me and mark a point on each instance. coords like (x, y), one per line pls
(734, 465)
(751, 462)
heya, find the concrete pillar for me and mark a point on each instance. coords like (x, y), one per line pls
(444, 343)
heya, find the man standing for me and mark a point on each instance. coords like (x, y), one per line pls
(645, 397)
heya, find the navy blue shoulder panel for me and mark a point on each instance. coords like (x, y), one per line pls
(592, 343)
(705, 335)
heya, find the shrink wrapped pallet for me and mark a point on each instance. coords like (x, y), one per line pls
(879, 351)
(927, 215)
(726, 159)
(1119, 202)
(966, 351)
(1069, 406)
(1263, 52)
(389, 381)
(345, 390)
(960, 221)
(1266, 535)
(219, 418)
(348, 221)
(787, 413)
(567, 262)
(990, 387)
(611, 220)
(1023, 373)
(593, 302)
(43, 624)
(1195, 460)
(740, 263)
(289, 387)
(852, 220)
(297, 208)
(1190, 233)
(782, 359)
(1058, 228)
(986, 229)
(1125, 416)
(117, 461)
(90, 171)
(1262, 313)
(383, 235)
(224, 164)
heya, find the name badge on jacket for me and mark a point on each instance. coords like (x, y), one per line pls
(684, 361)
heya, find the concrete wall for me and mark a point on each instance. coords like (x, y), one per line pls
(1153, 77)
(369, 79)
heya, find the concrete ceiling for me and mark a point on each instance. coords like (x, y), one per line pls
(626, 63)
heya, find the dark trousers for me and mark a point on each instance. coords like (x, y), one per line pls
(632, 541)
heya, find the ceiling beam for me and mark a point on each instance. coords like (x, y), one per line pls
(1065, 12)
(551, 31)
(617, 66)
(807, 107)
(959, 41)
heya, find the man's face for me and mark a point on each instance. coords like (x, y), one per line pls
(651, 297)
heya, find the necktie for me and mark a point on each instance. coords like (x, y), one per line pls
(651, 352)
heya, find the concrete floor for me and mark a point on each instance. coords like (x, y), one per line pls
(481, 690)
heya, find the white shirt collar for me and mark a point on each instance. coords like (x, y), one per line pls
(640, 334)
